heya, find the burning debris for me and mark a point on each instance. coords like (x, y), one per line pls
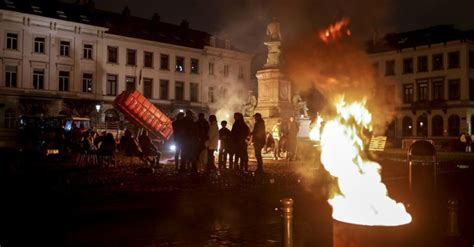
(335, 31)
(362, 197)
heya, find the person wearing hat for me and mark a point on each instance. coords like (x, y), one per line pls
(258, 139)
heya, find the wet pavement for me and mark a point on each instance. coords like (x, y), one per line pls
(58, 204)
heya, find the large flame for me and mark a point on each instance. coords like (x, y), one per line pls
(315, 133)
(362, 197)
(335, 31)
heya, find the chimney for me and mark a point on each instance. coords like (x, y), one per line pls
(126, 11)
(184, 24)
(155, 18)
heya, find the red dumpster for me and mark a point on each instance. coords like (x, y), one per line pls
(142, 112)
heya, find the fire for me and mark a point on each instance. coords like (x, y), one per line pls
(362, 197)
(315, 133)
(335, 31)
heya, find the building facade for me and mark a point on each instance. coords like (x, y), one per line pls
(68, 58)
(432, 72)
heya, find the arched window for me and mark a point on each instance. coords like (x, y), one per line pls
(111, 115)
(422, 126)
(437, 126)
(10, 118)
(407, 128)
(454, 125)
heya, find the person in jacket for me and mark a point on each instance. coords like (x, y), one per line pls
(276, 133)
(224, 138)
(258, 139)
(178, 136)
(239, 133)
(190, 144)
(212, 142)
(293, 129)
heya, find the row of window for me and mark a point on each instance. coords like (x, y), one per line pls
(38, 79)
(437, 63)
(437, 90)
(113, 55)
(39, 46)
(111, 85)
(437, 126)
(148, 85)
(148, 61)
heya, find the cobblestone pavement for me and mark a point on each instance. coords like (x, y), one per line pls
(60, 204)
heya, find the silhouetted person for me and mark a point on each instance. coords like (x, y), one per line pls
(258, 139)
(107, 145)
(276, 133)
(239, 134)
(224, 137)
(293, 129)
(202, 128)
(269, 143)
(179, 136)
(212, 142)
(190, 143)
(148, 149)
(129, 146)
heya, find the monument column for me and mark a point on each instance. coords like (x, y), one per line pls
(274, 88)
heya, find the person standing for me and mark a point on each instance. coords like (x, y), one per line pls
(212, 142)
(189, 144)
(293, 129)
(178, 135)
(239, 134)
(224, 138)
(202, 127)
(276, 133)
(258, 139)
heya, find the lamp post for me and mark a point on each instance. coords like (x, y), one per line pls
(97, 108)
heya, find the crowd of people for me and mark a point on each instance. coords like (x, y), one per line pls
(80, 140)
(196, 142)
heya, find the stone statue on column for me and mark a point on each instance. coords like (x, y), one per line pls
(273, 42)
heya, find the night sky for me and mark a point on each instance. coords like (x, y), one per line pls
(244, 21)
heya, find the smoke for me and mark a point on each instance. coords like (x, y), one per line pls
(341, 68)
(227, 100)
(244, 22)
(329, 68)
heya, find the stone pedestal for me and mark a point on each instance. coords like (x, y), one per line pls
(305, 128)
(274, 93)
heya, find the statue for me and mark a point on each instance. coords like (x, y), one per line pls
(273, 43)
(273, 31)
(249, 107)
(299, 106)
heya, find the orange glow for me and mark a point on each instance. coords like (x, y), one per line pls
(335, 31)
(362, 197)
(315, 133)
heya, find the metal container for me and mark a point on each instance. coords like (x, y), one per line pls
(143, 113)
(346, 234)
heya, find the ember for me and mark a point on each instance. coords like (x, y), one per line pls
(335, 31)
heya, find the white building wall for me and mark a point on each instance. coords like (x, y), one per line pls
(53, 30)
(464, 107)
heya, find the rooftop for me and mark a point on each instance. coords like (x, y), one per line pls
(124, 24)
(420, 37)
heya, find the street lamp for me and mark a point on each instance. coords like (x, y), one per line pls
(97, 108)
